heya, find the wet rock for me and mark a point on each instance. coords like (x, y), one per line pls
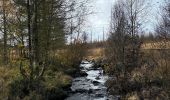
(95, 83)
(97, 89)
(90, 91)
(98, 78)
(83, 73)
(80, 84)
(81, 91)
(77, 80)
(99, 95)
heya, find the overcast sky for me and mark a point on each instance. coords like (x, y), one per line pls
(101, 17)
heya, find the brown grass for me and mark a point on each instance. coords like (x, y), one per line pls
(95, 53)
(156, 45)
(98, 53)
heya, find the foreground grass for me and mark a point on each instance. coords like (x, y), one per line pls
(13, 86)
(7, 75)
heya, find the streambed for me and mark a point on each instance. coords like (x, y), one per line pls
(91, 86)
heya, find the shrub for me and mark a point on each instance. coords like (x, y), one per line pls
(50, 87)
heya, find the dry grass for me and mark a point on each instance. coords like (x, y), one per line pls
(95, 53)
(156, 45)
(98, 53)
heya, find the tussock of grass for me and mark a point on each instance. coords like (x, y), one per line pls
(58, 79)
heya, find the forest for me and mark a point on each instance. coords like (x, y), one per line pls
(47, 54)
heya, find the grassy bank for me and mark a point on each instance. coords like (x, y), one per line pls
(53, 84)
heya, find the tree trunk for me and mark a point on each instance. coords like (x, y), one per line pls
(30, 38)
(5, 34)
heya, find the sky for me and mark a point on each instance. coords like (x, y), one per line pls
(98, 22)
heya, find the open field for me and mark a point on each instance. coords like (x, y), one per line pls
(97, 53)
(156, 45)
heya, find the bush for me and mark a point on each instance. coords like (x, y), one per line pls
(51, 86)
(19, 88)
(55, 85)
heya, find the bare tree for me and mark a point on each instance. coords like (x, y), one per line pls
(116, 47)
(4, 29)
(163, 43)
(126, 21)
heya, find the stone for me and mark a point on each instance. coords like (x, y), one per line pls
(99, 95)
(95, 83)
(83, 73)
(97, 78)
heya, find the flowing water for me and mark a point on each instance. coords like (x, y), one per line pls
(90, 87)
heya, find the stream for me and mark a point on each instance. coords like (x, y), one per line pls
(91, 86)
